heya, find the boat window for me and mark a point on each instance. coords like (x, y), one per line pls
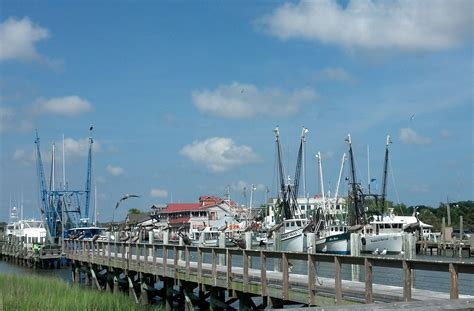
(298, 223)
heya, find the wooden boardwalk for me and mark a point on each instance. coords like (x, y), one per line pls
(187, 265)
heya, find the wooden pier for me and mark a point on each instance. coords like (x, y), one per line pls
(219, 278)
(46, 257)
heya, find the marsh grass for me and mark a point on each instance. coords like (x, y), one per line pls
(42, 293)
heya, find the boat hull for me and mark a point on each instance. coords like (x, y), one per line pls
(392, 242)
(334, 244)
(294, 241)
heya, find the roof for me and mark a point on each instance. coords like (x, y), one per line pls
(182, 207)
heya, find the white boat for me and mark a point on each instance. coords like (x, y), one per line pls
(28, 232)
(293, 237)
(334, 239)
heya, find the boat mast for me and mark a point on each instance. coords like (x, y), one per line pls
(384, 184)
(355, 190)
(64, 167)
(318, 156)
(339, 178)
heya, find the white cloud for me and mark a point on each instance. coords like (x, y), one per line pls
(6, 116)
(18, 39)
(219, 154)
(24, 157)
(67, 106)
(446, 133)
(114, 170)
(79, 147)
(402, 24)
(239, 100)
(158, 193)
(335, 74)
(409, 136)
(19, 154)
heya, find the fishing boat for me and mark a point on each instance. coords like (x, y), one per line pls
(291, 221)
(28, 232)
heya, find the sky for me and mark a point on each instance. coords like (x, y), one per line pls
(184, 96)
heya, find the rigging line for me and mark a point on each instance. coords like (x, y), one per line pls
(393, 182)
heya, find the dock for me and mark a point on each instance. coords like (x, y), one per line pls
(222, 277)
(46, 257)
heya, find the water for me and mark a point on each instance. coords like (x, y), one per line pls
(10, 268)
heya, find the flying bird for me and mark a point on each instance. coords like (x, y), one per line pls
(91, 127)
(126, 197)
(412, 117)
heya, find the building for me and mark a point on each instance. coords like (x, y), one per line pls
(196, 216)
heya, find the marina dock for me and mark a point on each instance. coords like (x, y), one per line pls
(189, 274)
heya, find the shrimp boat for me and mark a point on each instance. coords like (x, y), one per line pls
(291, 222)
(379, 234)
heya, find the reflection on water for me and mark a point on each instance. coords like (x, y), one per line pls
(10, 268)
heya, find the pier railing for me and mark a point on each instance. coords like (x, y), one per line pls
(299, 277)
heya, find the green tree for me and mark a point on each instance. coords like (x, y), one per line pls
(134, 211)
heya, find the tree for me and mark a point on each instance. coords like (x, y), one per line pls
(134, 211)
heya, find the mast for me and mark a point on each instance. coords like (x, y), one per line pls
(89, 175)
(45, 213)
(53, 167)
(355, 190)
(64, 167)
(318, 156)
(339, 178)
(299, 164)
(284, 190)
(368, 168)
(384, 184)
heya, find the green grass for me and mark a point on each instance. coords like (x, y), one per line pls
(42, 293)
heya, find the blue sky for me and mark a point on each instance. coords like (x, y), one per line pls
(184, 96)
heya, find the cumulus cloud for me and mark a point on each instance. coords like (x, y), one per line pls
(446, 133)
(6, 116)
(114, 170)
(158, 193)
(23, 156)
(402, 24)
(219, 154)
(335, 74)
(409, 136)
(80, 147)
(67, 106)
(239, 100)
(18, 39)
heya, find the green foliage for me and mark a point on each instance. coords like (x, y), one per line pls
(134, 211)
(42, 293)
(428, 214)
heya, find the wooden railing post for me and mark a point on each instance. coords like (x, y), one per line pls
(229, 269)
(199, 265)
(214, 267)
(454, 291)
(407, 281)
(338, 279)
(165, 260)
(187, 255)
(286, 275)
(245, 277)
(311, 279)
(263, 272)
(369, 298)
(175, 262)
